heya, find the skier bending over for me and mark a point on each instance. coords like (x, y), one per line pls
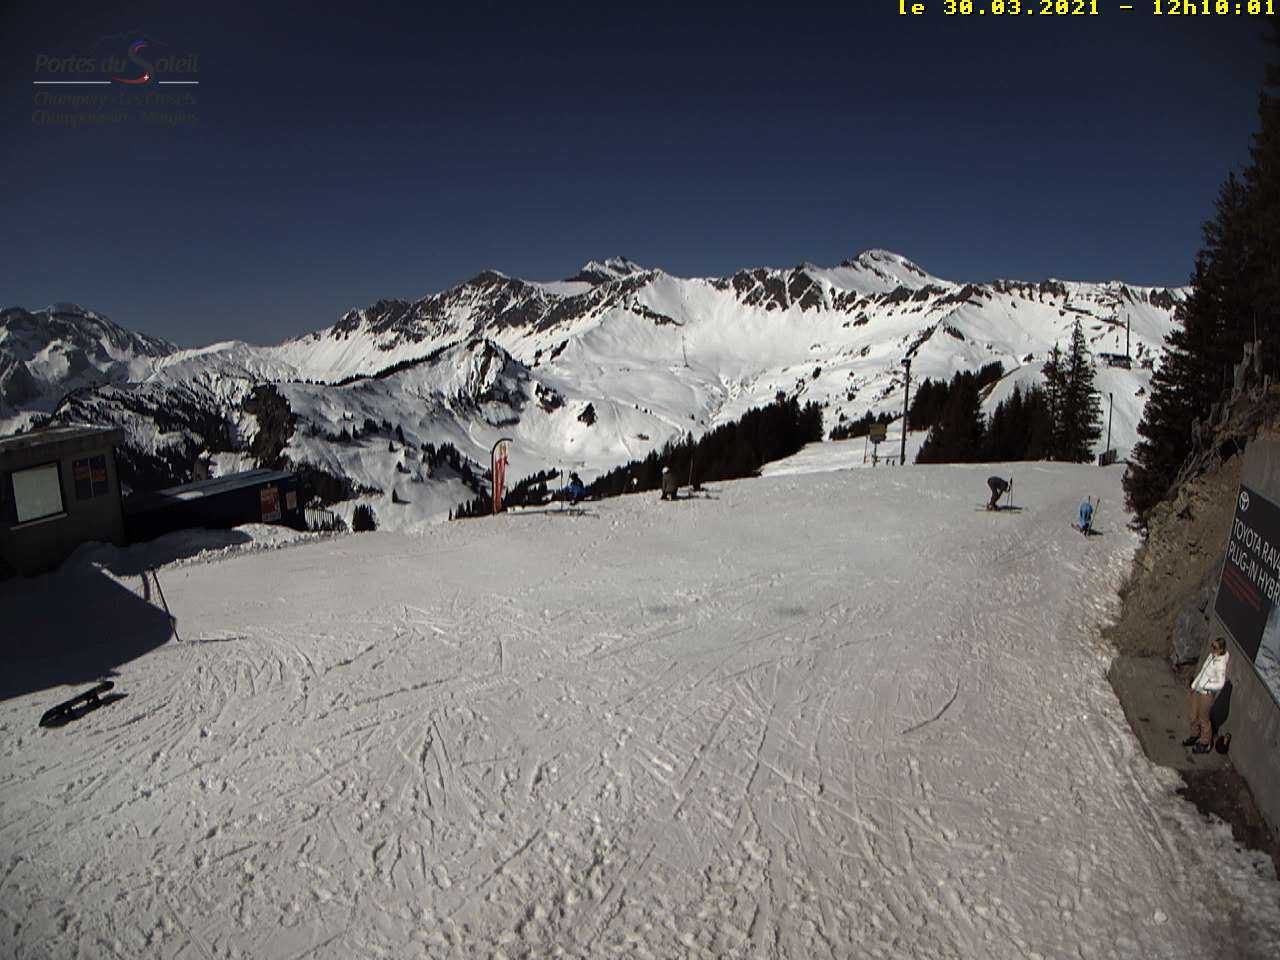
(1086, 516)
(576, 489)
(998, 487)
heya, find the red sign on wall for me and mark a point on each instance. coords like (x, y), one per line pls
(90, 476)
(270, 497)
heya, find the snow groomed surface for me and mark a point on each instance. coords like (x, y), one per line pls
(815, 714)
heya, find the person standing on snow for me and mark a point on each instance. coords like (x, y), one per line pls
(998, 486)
(575, 489)
(1086, 516)
(1209, 679)
(669, 485)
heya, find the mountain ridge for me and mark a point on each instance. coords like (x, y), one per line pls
(46, 353)
(655, 356)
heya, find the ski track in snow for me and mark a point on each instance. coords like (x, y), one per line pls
(824, 715)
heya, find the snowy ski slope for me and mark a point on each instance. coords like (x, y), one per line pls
(841, 713)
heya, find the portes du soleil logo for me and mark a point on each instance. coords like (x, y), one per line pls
(130, 69)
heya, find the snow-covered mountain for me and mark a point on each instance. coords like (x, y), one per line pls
(45, 354)
(615, 268)
(589, 372)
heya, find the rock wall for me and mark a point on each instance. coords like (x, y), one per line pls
(1167, 610)
(1169, 594)
(1168, 597)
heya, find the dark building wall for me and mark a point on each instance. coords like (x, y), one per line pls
(255, 496)
(91, 510)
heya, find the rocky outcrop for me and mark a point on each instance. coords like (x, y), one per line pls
(275, 426)
(1192, 628)
(1166, 619)
(1183, 550)
(1170, 589)
(595, 272)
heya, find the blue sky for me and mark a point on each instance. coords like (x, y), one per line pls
(339, 155)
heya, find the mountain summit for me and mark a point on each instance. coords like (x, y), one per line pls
(891, 267)
(615, 268)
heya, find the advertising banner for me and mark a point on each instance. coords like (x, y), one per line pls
(1249, 586)
(499, 470)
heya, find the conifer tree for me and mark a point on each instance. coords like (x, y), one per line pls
(1020, 427)
(1235, 299)
(1039, 425)
(958, 436)
(363, 519)
(1053, 371)
(926, 403)
(1080, 408)
(1199, 352)
(1006, 437)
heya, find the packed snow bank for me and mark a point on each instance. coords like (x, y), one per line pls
(186, 546)
(826, 714)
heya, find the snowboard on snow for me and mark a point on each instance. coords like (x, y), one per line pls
(77, 706)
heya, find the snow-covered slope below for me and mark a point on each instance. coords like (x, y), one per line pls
(616, 361)
(814, 715)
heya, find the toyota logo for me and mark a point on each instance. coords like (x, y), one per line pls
(1244, 500)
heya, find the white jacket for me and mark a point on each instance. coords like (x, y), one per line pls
(1212, 675)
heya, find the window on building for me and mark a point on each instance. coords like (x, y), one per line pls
(37, 492)
(90, 475)
(6, 500)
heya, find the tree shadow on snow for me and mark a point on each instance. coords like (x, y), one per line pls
(73, 627)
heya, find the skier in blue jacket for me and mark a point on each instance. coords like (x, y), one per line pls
(1086, 515)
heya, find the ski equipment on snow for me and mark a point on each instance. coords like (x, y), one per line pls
(67, 710)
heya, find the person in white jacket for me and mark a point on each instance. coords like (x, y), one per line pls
(1209, 679)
